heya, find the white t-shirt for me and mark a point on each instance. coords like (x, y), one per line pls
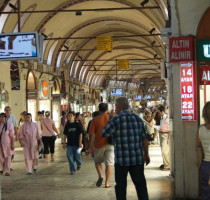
(204, 135)
(12, 120)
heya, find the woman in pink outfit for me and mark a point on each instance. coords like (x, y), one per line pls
(7, 138)
(28, 137)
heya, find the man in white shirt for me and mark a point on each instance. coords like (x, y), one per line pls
(12, 120)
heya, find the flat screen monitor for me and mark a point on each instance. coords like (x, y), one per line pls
(148, 97)
(137, 97)
(116, 92)
(20, 46)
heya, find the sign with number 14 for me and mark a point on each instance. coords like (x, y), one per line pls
(188, 92)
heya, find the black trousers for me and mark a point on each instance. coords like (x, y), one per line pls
(48, 142)
(138, 178)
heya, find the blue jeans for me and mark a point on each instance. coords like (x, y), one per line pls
(73, 157)
(138, 178)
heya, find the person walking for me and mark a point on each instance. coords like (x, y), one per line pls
(12, 120)
(28, 138)
(7, 139)
(73, 133)
(49, 132)
(131, 149)
(103, 152)
(63, 123)
(203, 141)
(39, 122)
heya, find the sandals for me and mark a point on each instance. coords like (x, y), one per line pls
(165, 169)
(99, 182)
(108, 186)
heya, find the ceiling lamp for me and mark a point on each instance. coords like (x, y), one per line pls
(13, 6)
(152, 30)
(66, 47)
(153, 43)
(144, 2)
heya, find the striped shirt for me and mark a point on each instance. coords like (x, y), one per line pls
(128, 132)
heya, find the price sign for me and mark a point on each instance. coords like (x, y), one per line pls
(104, 43)
(123, 64)
(188, 92)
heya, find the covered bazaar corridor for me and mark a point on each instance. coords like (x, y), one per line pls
(54, 181)
(71, 55)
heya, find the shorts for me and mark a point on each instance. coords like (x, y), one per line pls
(104, 154)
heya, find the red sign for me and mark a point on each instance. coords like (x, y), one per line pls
(181, 49)
(44, 88)
(205, 75)
(188, 91)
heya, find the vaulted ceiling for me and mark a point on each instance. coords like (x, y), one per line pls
(71, 39)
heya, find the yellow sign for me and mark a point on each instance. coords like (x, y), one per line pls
(104, 43)
(123, 64)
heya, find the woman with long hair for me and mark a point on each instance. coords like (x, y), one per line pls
(203, 141)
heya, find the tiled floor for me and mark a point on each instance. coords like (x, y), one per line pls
(54, 181)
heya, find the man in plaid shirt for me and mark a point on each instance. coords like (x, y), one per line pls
(131, 149)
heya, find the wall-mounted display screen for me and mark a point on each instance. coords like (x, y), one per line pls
(14, 46)
(147, 97)
(116, 92)
(138, 97)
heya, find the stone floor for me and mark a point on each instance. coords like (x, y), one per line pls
(54, 182)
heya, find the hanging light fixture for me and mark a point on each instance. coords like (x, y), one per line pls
(144, 2)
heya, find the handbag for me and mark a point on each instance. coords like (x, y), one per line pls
(164, 128)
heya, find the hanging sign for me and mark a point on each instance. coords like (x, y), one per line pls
(104, 43)
(204, 74)
(122, 64)
(203, 49)
(44, 85)
(181, 49)
(188, 91)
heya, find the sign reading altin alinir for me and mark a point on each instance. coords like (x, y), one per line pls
(181, 49)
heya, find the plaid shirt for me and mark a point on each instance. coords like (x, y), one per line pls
(128, 132)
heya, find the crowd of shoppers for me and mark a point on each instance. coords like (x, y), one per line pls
(127, 151)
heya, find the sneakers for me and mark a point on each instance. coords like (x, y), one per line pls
(7, 174)
(78, 168)
(28, 173)
(35, 171)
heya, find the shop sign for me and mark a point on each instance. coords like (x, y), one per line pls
(188, 91)
(122, 64)
(203, 49)
(104, 43)
(181, 49)
(44, 89)
(205, 75)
